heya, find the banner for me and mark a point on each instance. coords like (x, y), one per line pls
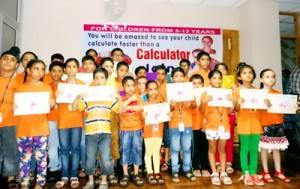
(153, 45)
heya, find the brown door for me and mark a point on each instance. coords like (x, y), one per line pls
(231, 51)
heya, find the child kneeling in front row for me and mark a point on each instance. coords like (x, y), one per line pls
(98, 131)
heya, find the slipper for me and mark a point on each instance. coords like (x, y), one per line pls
(74, 182)
(62, 182)
(12, 184)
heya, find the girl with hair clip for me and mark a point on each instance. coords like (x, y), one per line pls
(273, 137)
(217, 130)
(32, 137)
(248, 128)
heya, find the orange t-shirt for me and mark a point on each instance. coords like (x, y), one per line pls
(131, 120)
(162, 92)
(204, 74)
(197, 118)
(271, 118)
(186, 116)
(8, 118)
(53, 115)
(153, 131)
(20, 77)
(47, 78)
(213, 115)
(36, 124)
(247, 122)
(69, 119)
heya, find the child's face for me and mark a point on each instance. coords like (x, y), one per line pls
(93, 54)
(36, 71)
(129, 87)
(161, 75)
(184, 66)
(71, 68)
(108, 66)
(178, 77)
(118, 56)
(141, 72)
(122, 72)
(99, 78)
(246, 75)
(88, 66)
(27, 57)
(223, 70)
(152, 90)
(56, 73)
(197, 83)
(8, 63)
(268, 78)
(204, 62)
(216, 80)
(141, 84)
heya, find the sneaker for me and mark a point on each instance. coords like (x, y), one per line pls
(257, 180)
(247, 179)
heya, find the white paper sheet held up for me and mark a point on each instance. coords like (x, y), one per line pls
(28, 103)
(180, 91)
(157, 113)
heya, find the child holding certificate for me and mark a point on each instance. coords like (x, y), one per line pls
(216, 130)
(273, 137)
(98, 130)
(248, 127)
(32, 130)
(153, 134)
(180, 131)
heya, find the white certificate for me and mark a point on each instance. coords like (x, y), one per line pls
(254, 98)
(100, 93)
(87, 78)
(219, 97)
(28, 103)
(180, 91)
(283, 104)
(157, 113)
(198, 93)
(66, 93)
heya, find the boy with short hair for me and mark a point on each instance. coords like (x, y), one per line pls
(185, 65)
(88, 64)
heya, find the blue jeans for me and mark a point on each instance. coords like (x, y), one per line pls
(183, 140)
(166, 136)
(131, 147)
(69, 140)
(94, 143)
(9, 153)
(83, 148)
(53, 147)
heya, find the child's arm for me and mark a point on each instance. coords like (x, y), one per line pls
(204, 100)
(75, 103)
(135, 108)
(237, 104)
(189, 104)
(132, 98)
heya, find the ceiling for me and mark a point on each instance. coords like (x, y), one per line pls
(286, 22)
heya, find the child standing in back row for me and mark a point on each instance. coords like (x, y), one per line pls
(32, 138)
(273, 137)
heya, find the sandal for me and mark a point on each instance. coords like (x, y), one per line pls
(280, 175)
(175, 178)
(62, 182)
(124, 182)
(137, 180)
(205, 173)
(103, 186)
(74, 182)
(159, 179)
(225, 179)
(267, 177)
(12, 184)
(190, 176)
(165, 166)
(229, 168)
(215, 180)
(89, 185)
(197, 173)
(112, 180)
(151, 179)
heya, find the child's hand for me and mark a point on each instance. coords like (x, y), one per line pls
(81, 95)
(229, 97)
(145, 114)
(241, 101)
(233, 86)
(169, 114)
(206, 99)
(52, 103)
(267, 102)
(117, 96)
(14, 107)
(59, 93)
(173, 102)
(187, 103)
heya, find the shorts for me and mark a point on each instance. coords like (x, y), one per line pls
(131, 147)
(215, 135)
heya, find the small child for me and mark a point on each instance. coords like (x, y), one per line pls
(98, 131)
(88, 64)
(180, 130)
(32, 137)
(185, 64)
(131, 138)
(200, 143)
(141, 87)
(217, 130)
(203, 59)
(108, 64)
(273, 137)
(140, 71)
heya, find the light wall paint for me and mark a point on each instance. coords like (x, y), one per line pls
(52, 26)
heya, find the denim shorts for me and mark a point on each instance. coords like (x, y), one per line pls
(9, 153)
(131, 147)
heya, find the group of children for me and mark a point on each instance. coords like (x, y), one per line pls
(115, 130)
